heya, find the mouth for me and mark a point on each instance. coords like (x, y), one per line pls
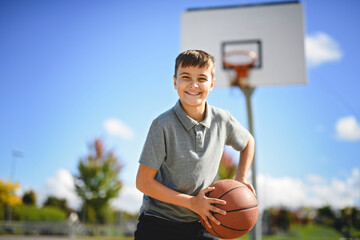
(193, 93)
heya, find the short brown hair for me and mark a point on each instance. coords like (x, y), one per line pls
(195, 58)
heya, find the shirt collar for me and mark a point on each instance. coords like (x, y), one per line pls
(187, 121)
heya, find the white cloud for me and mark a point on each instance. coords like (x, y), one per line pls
(347, 128)
(115, 127)
(315, 179)
(129, 200)
(61, 186)
(354, 182)
(321, 48)
(315, 191)
(289, 192)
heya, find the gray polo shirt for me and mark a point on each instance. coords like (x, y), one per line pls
(187, 154)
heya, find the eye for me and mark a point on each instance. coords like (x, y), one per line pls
(185, 77)
(202, 79)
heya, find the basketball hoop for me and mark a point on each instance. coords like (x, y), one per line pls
(240, 62)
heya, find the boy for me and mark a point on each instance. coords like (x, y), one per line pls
(182, 153)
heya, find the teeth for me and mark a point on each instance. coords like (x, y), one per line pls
(193, 93)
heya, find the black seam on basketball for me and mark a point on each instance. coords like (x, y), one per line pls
(241, 209)
(240, 230)
(234, 210)
(230, 191)
(213, 227)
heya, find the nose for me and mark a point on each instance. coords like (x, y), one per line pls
(194, 84)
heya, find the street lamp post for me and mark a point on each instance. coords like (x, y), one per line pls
(15, 154)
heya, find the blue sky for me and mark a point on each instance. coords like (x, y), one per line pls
(73, 71)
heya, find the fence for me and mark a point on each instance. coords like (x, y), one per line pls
(67, 228)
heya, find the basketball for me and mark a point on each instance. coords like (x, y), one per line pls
(241, 207)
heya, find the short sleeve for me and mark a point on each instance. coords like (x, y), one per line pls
(153, 153)
(238, 136)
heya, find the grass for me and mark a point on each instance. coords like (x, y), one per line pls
(311, 232)
(355, 232)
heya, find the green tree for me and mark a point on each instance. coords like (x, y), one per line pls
(355, 217)
(52, 201)
(276, 220)
(282, 219)
(348, 223)
(29, 198)
(97, 183)
(326, 216)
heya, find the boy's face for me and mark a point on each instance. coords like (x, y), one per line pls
(193, 85)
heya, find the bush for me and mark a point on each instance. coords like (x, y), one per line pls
(29, 198)
(32, 213)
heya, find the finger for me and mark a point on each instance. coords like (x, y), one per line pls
(207, 222)
(213, 219)
(218, 201)
(218, 210)
(252, 189)
(208, 189)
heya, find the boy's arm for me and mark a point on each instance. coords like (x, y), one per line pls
(146, 183)
(246, 158)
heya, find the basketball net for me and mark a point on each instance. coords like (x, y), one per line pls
(238, 64)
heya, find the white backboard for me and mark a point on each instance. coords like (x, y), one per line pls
(274, 31)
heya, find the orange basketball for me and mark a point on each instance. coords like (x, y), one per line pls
(241, 209)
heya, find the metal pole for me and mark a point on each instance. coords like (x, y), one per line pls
(248, 91)
(16, 154)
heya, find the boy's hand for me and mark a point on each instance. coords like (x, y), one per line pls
(249, 186)
(202, 205)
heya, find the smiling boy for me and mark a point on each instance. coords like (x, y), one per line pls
(181, 156)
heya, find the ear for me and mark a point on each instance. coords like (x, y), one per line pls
(212, 84)
(175, 83)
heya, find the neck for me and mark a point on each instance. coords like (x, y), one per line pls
(195, 112)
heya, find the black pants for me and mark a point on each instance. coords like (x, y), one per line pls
(153, 228)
